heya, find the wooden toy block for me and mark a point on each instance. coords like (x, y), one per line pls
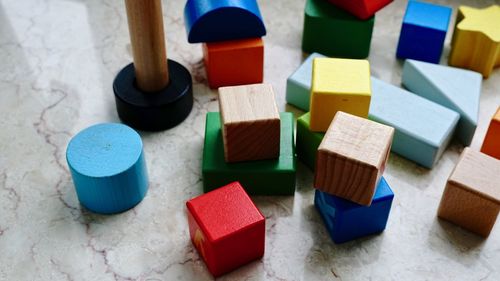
(423, 128)
(298, 85)
(423, 31)
(108, 168)
(265, 177)
(222, 20)
(153, 93)
(233, 63)
(451, 87)
(307, 142)
(226, 228)
(471, 198)
(352, 157)
(346, 221)
(338, 85)
(333, 32)
(250, 123)
(363, 9)
(491, 144)
(476, 40)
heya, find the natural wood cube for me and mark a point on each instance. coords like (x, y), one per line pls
(250, 122)
(352, 157)
(471, 198)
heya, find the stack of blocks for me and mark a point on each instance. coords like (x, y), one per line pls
(249, 141)
(352, 197)
(226, 228)
(423, 32)
(231, 33)
(336, 85)
(340, 28)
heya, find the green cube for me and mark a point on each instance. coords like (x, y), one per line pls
(334, 32)
(264, 177)
(307, 141)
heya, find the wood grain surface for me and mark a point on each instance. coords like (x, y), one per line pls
(352, 157)
(145, 23)
(250, 122)
(471, 198)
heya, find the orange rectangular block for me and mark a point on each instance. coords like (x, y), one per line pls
(237, 62)
(471, 198)
(491, 144)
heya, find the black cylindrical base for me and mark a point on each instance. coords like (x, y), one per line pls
(154, 111)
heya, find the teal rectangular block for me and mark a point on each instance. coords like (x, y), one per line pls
(307, 142)
(454, 88)
(265, 177)
(298, 85)
(423, 128)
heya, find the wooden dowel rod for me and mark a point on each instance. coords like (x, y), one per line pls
(145, 23)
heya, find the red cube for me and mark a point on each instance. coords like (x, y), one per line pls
(226, 228)
(362, 9)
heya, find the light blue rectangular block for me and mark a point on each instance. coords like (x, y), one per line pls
(298, 85)
(423, 128)
(454, 88)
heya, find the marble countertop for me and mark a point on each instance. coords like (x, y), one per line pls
(58, 60)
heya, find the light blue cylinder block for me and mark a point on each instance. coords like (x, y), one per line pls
(108, 168)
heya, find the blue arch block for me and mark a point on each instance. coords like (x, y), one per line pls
(222, 20)
(108, 168)
(346, 221)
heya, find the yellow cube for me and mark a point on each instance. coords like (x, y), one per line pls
(338, 85)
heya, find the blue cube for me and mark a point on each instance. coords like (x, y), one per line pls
(346, 221)
(423, 31)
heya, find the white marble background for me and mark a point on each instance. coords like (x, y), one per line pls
(58, 59)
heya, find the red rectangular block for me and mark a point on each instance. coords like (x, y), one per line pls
(226, 228)
(362, 9)
(232, 63)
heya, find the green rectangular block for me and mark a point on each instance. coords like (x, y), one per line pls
(334, 32)
(265, 177)
(307, 141)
